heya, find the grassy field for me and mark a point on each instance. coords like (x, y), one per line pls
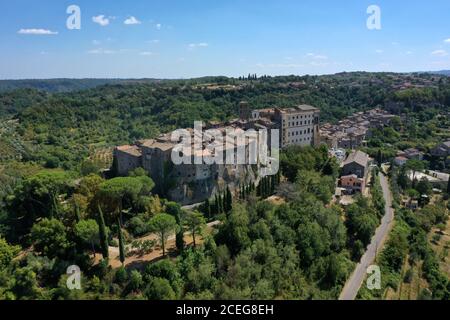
(440, 242)
(408, 290)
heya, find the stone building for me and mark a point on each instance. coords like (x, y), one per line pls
(352, 132)
(357, 163)
(352, 184)
(355, 171)
(126, 159)
(441, 150)
(191, 183)
(298, 126)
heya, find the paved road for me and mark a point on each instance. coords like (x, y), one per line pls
(354, 283)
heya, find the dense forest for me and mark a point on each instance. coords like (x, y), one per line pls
(56, 210)
(64, 129)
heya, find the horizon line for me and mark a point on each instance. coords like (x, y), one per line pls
(216, 76)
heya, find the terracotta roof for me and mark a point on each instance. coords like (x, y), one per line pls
(350, 176)
(131, 150)
(359, 157)
(163, 146)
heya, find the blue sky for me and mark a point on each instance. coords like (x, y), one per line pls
(191, 38)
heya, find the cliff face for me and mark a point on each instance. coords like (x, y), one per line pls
(188, 192)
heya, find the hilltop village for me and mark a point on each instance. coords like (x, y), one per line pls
(299, 126)
(191, 183)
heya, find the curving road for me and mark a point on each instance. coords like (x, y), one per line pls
(355, 281)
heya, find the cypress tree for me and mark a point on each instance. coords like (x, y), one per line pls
(263, 188)
(208, 208)
(379, 156)
(121, 243)
(102, 234)
(179, 238)
(77, 213)
(216, 205)
(228, 200)
(448, 186)
(266, 187)
(221, 206)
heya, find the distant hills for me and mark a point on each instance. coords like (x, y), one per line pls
(441, 72)
(65, 85)
(70, 85)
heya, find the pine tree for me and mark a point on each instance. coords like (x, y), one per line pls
(102, 234)
(121, 243)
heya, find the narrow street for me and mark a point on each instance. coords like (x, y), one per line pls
(350, 290)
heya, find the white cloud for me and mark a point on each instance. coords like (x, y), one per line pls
(280, 65)
(447, 40)
(317, 56)
(132, 20)
(146, 53)
(319, 64)
(38, 32)
(101, 20)
(379, 51)
(101, 51)
(409, 52)
(439, 53)
(198, 45)
(155, 41)
(384, 65)
(158, 26)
